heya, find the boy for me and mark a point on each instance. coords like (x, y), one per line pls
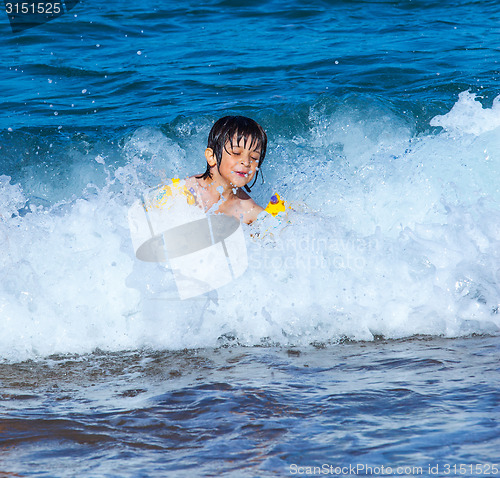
(235, 151)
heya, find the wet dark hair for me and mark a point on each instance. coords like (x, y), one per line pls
(229, 128)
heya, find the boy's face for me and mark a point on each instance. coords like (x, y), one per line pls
(239, 163)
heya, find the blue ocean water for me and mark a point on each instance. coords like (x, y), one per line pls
(365, 334)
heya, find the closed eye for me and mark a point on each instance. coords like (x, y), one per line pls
(238, 152)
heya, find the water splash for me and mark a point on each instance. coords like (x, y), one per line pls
(396, 237)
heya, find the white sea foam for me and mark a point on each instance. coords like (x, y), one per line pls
(393, 235)
(469, 116)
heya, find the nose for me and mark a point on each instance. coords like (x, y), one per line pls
(245, 159)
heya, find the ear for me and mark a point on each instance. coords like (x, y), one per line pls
(210, 157)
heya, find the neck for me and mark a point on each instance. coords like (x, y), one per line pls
(222, 188)
(214, 193)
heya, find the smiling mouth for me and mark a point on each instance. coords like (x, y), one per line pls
(241, 174)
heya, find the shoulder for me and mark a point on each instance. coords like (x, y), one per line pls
(194, 185)
(248, 209)
(191, 181)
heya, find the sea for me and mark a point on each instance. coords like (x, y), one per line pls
(362, 339)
